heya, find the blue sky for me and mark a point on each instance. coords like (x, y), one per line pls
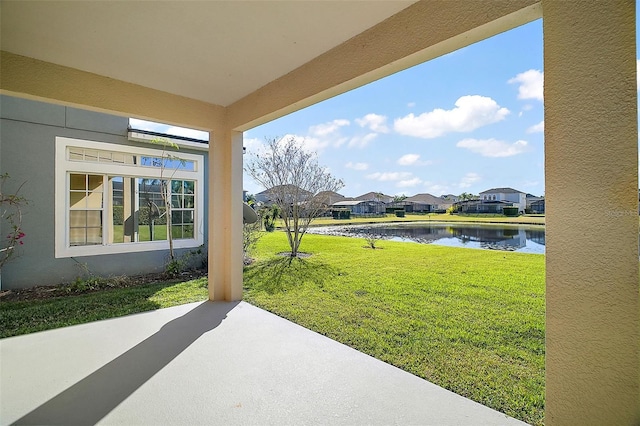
(465, 122)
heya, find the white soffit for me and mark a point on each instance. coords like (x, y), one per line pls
(214, 51)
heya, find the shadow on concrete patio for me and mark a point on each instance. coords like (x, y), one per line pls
(93, 397)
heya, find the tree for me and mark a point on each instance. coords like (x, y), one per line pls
(467, 196)
(166, 162)
(293, 179)
(11, 211)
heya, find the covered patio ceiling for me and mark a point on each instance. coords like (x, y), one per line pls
(213, 51)
(236, 53)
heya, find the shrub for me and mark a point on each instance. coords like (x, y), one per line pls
(399, 213)
(510, 211)
(341, 214)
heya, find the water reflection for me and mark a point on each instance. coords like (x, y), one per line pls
(527, 239)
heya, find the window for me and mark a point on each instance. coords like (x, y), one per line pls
(118, 199)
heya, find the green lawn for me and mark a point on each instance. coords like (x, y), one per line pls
(22, 317)
(469, 320)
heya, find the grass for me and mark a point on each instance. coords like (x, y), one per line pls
(471, 321)
(22, 317)
(481, 218)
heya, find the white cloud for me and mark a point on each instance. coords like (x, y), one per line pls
(493, 147)
(531, 84)
(356, 166)
(408, 183)
(470, 113)
(436, 188)
(389, 176)
(469, 179)
(536, 128)
(325, 129)
(374, 122)
(309, 144)
(255, 146)
(412, 160)
(362, 141)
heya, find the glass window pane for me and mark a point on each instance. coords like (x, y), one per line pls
(77, 236)
(176, 187)
(78, 219)
(176, 217)
(176, 231)
(94, 218)
(187, 231)
(77, 181)
(106, 157)
(94, 200)
(176, 201)
(189, 202)
(189, 187)
(159, 232)
(187, 216)
(94, 236)
(118, 157)
(77, 200)
(90, 155)
(76, 154)
(95, 183)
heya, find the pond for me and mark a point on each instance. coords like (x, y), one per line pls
(520, 238)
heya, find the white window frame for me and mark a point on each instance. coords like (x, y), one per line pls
(64, 167)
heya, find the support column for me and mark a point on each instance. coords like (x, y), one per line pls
(591, 170)
(225, 215)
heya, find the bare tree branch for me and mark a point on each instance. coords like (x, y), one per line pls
(295, 182)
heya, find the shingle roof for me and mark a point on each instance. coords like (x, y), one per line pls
(502, 191)
(426, 199)
(375, 196)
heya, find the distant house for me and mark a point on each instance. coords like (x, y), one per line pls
(375, 196)
(292, 193)
(425, 203)
(361, 207)
(535, 204)
(450, 197)
(330, 197)
(481, 206)
(509, 195)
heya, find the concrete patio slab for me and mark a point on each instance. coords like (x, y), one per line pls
(213, 363)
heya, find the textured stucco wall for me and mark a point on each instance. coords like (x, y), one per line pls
(225, 216)
(591, 168)
(28, 130)
(39, 80)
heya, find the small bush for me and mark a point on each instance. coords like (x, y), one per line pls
(510, 211)
(399, 213)
(341, 214)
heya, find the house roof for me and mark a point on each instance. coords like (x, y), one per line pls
(348, 203)
(502, 191)
(426, 198)
(375, 196)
